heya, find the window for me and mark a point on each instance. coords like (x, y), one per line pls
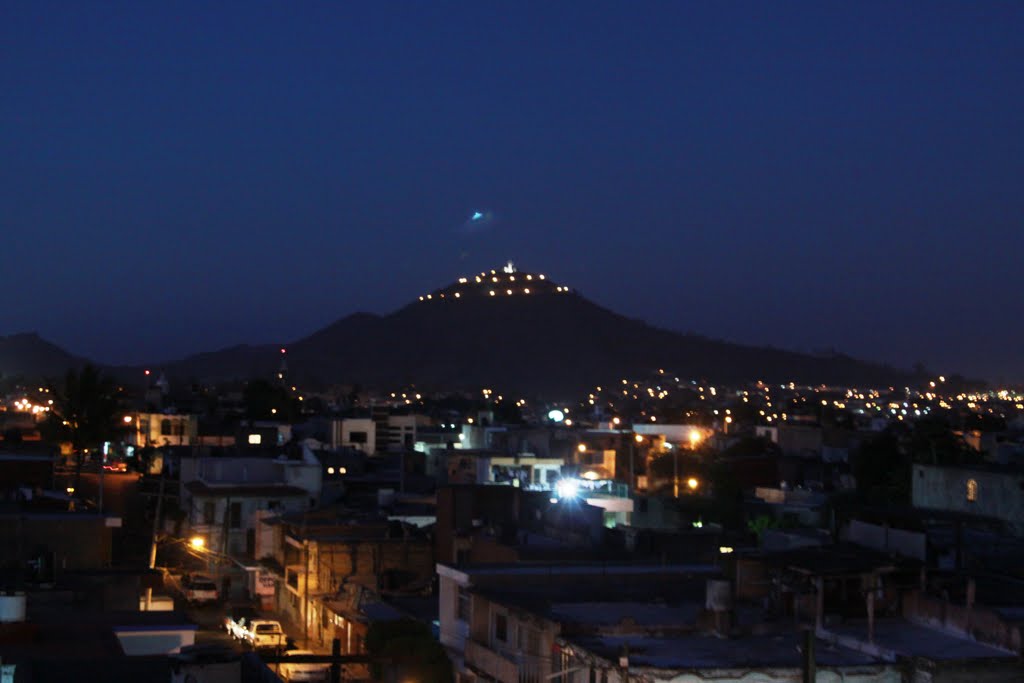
(255, 439)
(501, 627)
(165, 427)
(209, 511)
(462, 606)
(972, 490)
(236, 516)
(357, 437)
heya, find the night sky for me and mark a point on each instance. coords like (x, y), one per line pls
(177, 178)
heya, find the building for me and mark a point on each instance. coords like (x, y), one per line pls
(986, 490)
(356, 433)
(317, 558)
(160, 429)
(221, 496)
(504, 622)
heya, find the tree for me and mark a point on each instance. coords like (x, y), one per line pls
(263, 398)
(883, 470)
(84, 412)
(933, 441)
(411, 650)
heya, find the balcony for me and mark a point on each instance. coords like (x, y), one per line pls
(504, 667)
(491, 663)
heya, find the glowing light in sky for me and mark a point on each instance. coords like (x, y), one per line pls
(476, 216)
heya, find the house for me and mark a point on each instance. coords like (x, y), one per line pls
(221, 495)
(984, 489)
(503, 622)
(161, 429)
(317, 556)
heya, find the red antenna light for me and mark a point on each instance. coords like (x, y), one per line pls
(284, 350)
(147, 373)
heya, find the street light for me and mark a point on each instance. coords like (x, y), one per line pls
(197, 542)
(692, 483)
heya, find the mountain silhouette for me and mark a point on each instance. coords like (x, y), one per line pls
(518, 332)
(511, 331)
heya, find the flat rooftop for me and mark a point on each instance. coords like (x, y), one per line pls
(914, 640)
(702, 652)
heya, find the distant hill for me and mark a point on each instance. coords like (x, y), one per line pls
(29, 355)
(518, 332)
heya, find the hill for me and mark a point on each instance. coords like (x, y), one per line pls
(29, 355)
(518, 332)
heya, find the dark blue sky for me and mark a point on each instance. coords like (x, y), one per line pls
(176, 177)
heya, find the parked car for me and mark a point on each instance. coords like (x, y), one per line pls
(298, 671)
(199, 589)
(260, 634)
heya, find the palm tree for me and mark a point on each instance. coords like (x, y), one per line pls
(84, 412)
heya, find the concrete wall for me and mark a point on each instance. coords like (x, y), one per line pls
(77, 540)
(153, 642)
(359, 425)
(999, 494)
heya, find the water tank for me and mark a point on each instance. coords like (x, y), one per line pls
(12, 608)
(719, 596)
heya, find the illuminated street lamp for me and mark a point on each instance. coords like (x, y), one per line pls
(127, 419)
(197, 542)
(692, 483)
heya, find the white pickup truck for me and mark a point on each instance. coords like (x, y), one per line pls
(259, 634)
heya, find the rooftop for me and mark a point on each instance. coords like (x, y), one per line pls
(908, 639)
(699, 652)
(199, 488)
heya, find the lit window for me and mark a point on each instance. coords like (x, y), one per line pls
(255, 439)
(972, 490)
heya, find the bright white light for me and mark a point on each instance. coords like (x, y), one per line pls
(477, 216)
(255, 439)
(591, 476)
(556, 415)
(330, 470)
(724, 549)
(567, 488)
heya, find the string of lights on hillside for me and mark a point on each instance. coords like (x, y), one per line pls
(508, 282)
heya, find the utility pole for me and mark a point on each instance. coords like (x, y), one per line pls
(156, 530)
(675, 472)
(103, 459)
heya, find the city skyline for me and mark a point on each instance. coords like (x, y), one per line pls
(182, 179)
